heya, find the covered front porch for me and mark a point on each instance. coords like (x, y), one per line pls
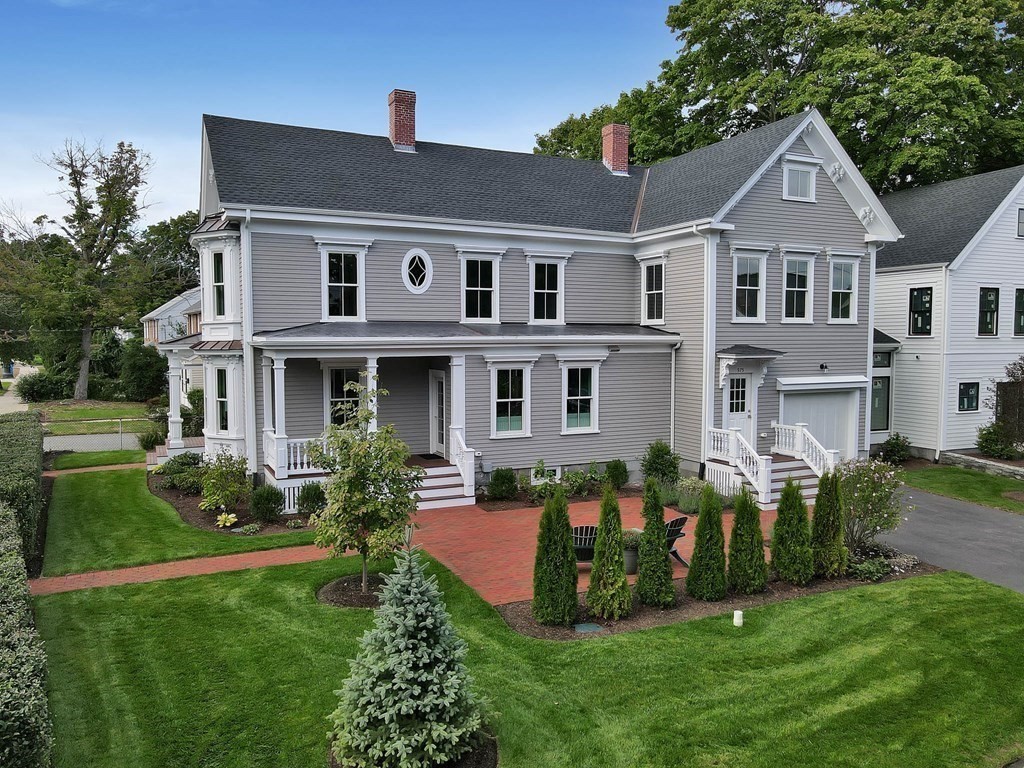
(422, 396)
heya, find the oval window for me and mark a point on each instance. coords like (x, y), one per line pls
(417, 270)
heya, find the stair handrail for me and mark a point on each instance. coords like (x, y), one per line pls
(464, 458)
(818, 457)
(756, 468)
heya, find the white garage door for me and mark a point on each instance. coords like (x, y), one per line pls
(830, 417)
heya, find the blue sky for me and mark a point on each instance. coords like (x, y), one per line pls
(486, 74)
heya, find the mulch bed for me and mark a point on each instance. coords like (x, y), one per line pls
(189, 511)
(50, 457)
(522, 499)
(485, 755)
(347, 592)
(519, 618)
(35, 565)
(1014, 495)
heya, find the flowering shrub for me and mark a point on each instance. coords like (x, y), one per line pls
(226, 483)
(871, 494)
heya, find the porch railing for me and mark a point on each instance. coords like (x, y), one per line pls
(723, 479)
(464, 458)
(797, 441)
(297, 459)
(729, 445)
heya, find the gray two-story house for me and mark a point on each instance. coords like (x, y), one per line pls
(521, 307)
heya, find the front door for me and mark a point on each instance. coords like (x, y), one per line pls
(438, 420)
(739, 399)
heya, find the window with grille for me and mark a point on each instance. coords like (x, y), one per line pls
(545, 291)
(797, 306)
(580, 399)
(510, 401)
(654, 292)
(222, 399)
(841, 303)
(479, 289)
(343, 285)
(219, 296)
(737, 395)
(748, 287)
(344, 394)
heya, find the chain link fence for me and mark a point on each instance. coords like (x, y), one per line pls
(95, 434)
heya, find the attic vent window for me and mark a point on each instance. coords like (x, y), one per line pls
(417, 270)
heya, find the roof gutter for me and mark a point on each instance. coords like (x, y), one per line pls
(448, 342)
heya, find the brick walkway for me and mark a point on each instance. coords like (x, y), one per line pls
(79, 470)
(493, 552)
(199, 566)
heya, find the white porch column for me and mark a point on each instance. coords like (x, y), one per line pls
(174, 391)
(268, 400)
(280, 430)
(799, 444)
(458, 369)
(371, 389)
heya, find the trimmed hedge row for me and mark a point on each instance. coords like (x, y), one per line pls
(26, 734)
(21, 471)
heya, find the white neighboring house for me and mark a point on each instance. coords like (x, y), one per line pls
(951, 293)
(175, 325)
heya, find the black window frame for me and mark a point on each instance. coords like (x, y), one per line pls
(888, 403)
(961, 398)
(988, 312)
(914, 312)
(1018, 312)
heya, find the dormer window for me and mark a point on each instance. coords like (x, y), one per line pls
(799, 174)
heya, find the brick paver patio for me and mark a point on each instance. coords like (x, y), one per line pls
(493, 552)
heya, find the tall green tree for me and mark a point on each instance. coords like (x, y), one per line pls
(706, 577)
(827, 528)
(917, 91)
(748, 572)
(792, 559)
(555, 578)
(87, 284)
(167, 262)
(608, 595)
(654, 575)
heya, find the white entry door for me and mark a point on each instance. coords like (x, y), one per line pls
(739, 405)
(438, 417)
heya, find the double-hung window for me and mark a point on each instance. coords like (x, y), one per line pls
(480, 289)
(343, 285)
(219, 295)
(798, 279)
(222, 399)
(988, 312)
(1018, 312)
(510, 397)
(546, 290)
(842, 290)
(579, 397)
(653, 292)
(748, 286)
(343, 394)
(920, 312)
(967, 396)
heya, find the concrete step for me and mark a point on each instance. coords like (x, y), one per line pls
(455, 501)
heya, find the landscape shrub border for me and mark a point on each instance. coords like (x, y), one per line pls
(21, 472)
(26, 731)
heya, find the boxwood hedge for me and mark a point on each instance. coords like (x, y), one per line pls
(26, 733)
(21, 470)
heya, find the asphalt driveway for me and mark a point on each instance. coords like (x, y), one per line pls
(982, 541)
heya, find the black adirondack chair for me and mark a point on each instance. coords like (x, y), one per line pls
(674, 532)
(583, 539)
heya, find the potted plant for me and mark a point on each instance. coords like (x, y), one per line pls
(631, 548)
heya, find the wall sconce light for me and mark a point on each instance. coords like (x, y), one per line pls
(823, 367)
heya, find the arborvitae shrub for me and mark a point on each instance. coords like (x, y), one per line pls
(706, 578)
(503, 484)
(617, 473)
(608, 596)
(554, 571)
(748, 572)
(408, 702)
(792, 559)
(654, 576)
(827, 529)
(660, 463)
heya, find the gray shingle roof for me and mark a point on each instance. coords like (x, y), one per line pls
(380, 329)
(696, 185)
(940, 219)
(288, 166)
(881, 338)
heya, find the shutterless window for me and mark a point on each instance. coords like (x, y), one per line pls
(988, 312)
(545, 291)
(797, 287)
(579, 402)
(218, 284)
(920, 312)
(222, 399)
(737, 395)
(798, 183)
(880, 393)
(968, 396)
(509, 401)
(1018, 312)
(344, 396)
(1020, 222)
(479, 289)
(841, 304)
(881, 359)
(654, 292)
(342, 285)
(748, 286)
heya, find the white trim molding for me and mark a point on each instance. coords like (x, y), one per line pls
(805, 164)
(428, 267)
(760, 252)
(808, 255)
(465, 254)
(658, 259)
(834, 259)
(358, 249)
(815, 383)
(558, 258)
(510, 363)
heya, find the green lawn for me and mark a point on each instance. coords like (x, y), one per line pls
(98, 427)
(100, 520)
(97, 459)
(238, 671)
(967, 484)
(71, 411)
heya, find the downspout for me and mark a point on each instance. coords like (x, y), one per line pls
(247, 356)
(866, 407)
(944, 370)
(672, 399)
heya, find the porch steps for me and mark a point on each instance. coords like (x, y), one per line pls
(784, 467)
(442, 487)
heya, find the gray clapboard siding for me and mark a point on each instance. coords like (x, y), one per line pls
(285, 281)
(514, 287)
(303, 399)
(762, 216)
(387, 298)
(633, 411)
(406, 405)
(684, 314)
(602, 288)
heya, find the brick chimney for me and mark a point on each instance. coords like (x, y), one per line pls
(615, 148)
(402, 109)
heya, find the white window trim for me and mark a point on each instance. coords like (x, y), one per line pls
(469, 254)
(802, 163)
(845, 258)
(223, 284)
(548, 257)
(494, 364)
(972, 410)
(645, 261)
(338, 366)
(791, 253)
(217, 399)
(748, 252)
(427, 262)
(359, 249)
(565, 363)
